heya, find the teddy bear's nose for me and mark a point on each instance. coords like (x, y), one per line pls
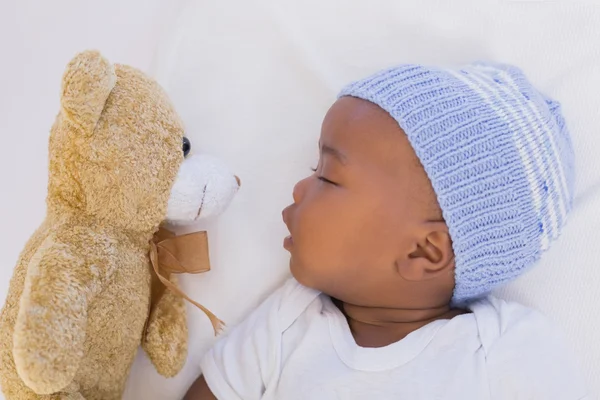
(237, 179)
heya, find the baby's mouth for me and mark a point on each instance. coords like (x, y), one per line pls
(288, 242)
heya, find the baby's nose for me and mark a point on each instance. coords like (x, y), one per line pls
(238, 180)
(284, 214)
(299, 190)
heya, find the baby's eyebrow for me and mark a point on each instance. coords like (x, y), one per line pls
(341, 157)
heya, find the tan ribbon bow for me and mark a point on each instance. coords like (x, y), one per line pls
(171, 254)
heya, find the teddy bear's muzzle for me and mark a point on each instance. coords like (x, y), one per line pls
(204, 187)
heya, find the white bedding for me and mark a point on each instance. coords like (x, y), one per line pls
(253, 80)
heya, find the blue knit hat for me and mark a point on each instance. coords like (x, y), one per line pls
(498, 155)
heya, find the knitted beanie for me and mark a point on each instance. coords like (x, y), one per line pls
(499, 158)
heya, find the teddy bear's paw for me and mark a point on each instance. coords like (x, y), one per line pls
(71, 396)
(47, 348)
(49, 332)
(166, 338)
(71, 392)
(43, 369)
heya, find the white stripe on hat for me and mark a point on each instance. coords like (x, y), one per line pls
(558, 172)
(525, 156)
(535, 148)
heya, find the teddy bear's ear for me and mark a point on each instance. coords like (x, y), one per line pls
(87, 82)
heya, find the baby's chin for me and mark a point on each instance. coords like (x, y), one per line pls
(294, 269)
(305, 276)
(299, 273)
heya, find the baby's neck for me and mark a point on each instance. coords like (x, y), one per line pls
(378, 327)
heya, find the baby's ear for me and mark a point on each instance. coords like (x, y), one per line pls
(431, 255)
(87, 82)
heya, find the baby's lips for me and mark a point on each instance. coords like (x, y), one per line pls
(284, 214)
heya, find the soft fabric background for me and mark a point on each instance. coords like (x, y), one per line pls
(252, 81)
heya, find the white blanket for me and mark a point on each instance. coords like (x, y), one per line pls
(253, 80)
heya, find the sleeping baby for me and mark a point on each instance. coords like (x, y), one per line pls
(434, 186)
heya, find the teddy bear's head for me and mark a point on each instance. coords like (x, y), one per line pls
(117, 148)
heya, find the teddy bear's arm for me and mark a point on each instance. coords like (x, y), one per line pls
(63, 276)
(166, 337)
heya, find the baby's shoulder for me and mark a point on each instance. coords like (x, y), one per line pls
(525, 352)
(291, 300)
(510, 323)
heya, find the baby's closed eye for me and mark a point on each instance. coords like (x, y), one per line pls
(322, 178)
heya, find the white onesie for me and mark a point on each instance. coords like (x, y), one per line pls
(298, 345)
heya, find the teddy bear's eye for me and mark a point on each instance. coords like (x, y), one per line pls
(187, 146)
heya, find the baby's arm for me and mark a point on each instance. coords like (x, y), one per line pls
(245, 361)
(200, 391)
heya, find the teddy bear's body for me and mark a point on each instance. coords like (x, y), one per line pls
(79, 298)
(101, 365)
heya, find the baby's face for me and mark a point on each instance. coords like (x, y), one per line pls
(362, 211)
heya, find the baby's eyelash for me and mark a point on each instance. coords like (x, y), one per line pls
(322, 178)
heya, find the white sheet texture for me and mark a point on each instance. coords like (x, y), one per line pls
(253, 80)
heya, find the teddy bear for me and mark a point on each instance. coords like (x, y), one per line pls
(98, 278)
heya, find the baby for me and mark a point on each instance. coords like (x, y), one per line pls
(434, 186)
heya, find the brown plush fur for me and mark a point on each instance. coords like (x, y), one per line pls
(79, 297)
